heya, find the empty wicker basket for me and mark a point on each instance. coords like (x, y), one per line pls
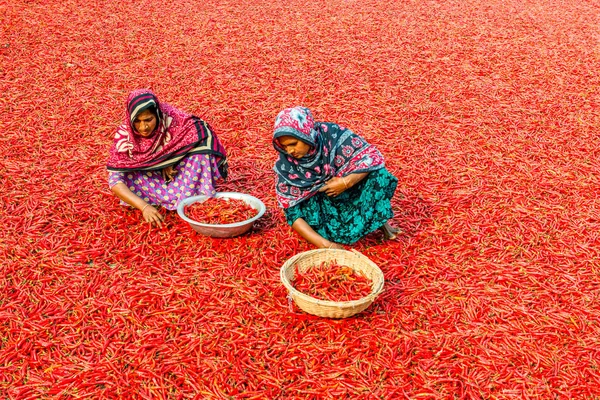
(324, 308)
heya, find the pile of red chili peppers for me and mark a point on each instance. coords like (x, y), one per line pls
(219, 211)
(332, 281)
(488, 112)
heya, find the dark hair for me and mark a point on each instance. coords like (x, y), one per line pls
(153, 110)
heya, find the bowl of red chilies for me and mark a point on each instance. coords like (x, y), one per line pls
(227, 214)
(332, 283)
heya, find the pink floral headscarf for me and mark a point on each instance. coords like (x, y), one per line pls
(177, 135)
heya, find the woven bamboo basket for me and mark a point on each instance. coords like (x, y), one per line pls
(324, 308)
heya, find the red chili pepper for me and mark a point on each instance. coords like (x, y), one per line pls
(219, 211)
(331, 281)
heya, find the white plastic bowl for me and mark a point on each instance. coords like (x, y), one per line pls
(223, 230)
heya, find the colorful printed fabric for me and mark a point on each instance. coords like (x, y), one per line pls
(335, 151)
(353, 214)
(196, 175)
(176, 136)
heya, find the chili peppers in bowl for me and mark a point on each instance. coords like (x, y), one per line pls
(227, 214)
(220, 211)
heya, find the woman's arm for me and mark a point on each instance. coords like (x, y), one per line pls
(150, 213)
(336, 185)
(353, 179)
(308, 233)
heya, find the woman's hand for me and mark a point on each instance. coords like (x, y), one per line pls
(168, 173)
(337, 185)
(152, 215)
(334, 187)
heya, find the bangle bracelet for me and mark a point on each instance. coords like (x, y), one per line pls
(143, 208)
(344, 180)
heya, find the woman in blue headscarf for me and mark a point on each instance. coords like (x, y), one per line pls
(332, 184)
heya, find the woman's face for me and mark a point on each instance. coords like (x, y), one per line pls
(145, 123)
(294, 147)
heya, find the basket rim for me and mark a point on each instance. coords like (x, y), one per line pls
(221, 195)
(330, 303)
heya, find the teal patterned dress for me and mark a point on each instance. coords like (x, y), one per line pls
(353, 214)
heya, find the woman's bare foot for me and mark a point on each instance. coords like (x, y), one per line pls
(389, 232)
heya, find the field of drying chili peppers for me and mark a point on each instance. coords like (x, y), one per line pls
(487, 111)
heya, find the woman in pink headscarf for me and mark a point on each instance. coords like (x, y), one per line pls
(161, 155)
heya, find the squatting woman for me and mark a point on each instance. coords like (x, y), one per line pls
(332, 185)
(161, 155)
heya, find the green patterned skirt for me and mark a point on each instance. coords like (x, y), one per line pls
(353, 214)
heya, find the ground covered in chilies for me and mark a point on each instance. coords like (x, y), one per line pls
(486, 111)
